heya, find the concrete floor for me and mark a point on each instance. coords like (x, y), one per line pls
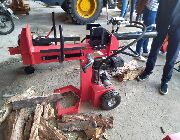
(142, 112)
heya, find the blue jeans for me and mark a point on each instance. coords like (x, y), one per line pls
(133, 6)
(164, 26)
(124, 8)
(149, 18)
(172, 51)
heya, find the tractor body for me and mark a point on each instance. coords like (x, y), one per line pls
(82, 11)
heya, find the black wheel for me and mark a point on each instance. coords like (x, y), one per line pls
(6, 24)
(83, 11)
(110, 100)
(65, 7)
(29, 70)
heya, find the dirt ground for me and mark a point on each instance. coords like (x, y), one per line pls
(142, 112)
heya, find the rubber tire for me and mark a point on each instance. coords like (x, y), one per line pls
(29, 70)
(107, 96)
(65, 7)
(80, 20)
(12, 23)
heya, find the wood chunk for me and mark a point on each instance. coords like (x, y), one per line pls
(8, 107)
(95, 134)
(6, 110)
(77, 125)
(33, 101)
(105, 122)
(48, 112)
(129, 71)
(18, 126)
(130, 74)
(30, 92)
(7, 125)
(27, 129)
(35, 127)
(49, 133)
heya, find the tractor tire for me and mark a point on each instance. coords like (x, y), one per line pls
(65, 7)
(110, 100)
(83, 11)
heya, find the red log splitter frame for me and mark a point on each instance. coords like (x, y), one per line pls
(96, 53)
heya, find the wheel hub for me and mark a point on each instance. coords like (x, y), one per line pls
(86, 8)
(112, 102)
(85, 5)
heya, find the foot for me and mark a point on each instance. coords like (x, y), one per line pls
(145, 54)
(141, 58)
(164, 88)
(143, 76)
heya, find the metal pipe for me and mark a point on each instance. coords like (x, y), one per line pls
(54, 26)
(61, 44)
(134, 35)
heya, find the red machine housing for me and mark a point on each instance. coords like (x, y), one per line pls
(175, 136)
(89, 91)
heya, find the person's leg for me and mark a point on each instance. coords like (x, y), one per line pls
(126, 11)
(151, 18)
(124, 7)
(162, 25)
(155, 47)
(139, 46)
(138, 17)
(172, 53)
(145, 44)
(140, 43)
(133, 5)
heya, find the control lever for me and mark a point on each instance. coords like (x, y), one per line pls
(116, 21)
(54, 27)
(89, 63)
(61, 59)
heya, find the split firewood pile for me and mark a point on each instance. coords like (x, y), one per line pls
(30, 116)
(93, 125)
(129, 71)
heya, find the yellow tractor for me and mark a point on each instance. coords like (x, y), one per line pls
(82, 11)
